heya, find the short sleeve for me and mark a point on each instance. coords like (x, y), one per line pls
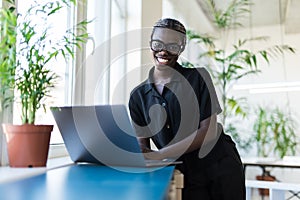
(209, 103)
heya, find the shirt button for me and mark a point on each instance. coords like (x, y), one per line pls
(163, 104)
(168, 126)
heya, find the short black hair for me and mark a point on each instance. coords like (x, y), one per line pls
(170, 24)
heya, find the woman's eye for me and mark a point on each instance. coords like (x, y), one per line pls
(174, 47)
(157, 45)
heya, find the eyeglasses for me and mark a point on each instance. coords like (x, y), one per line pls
(173, 48)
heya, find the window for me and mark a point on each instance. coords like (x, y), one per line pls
(105, 62)
(117, 51)
(101, 68)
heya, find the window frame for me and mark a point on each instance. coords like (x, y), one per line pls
(75, 84)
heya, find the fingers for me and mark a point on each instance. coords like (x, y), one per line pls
(146, 150)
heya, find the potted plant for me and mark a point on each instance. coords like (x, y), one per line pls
(274, 137)
(29, 71)
(229, 63)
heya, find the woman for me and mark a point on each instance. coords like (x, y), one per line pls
(177, 108)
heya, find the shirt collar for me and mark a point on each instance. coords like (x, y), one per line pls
(176, 77)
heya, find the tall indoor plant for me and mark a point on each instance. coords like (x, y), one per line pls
(274, 133)
(275, 137)
(30, 73)
(229, 63)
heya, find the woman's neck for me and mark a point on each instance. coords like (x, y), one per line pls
(162, 76)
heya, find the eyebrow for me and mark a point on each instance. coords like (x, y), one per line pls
(164, 42)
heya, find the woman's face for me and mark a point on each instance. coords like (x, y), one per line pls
(166, 46)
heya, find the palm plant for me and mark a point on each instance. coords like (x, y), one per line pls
(228, 65)
(274, 133)
(29, 68)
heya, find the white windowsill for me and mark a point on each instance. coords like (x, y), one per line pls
(57, 150)
(8, 174)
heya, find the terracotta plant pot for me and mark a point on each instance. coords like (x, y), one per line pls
(27, 144)
(266, 177)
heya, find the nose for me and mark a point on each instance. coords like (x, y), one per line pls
(163, 52)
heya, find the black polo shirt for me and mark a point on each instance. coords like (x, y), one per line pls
(189, 98)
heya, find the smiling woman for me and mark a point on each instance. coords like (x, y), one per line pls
(166, 49)
(176, 108)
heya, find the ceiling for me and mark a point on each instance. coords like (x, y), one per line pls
(267, 13)
(263, 13)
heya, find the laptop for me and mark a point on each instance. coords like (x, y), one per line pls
(102, 134)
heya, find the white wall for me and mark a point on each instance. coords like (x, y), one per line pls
(282, 69)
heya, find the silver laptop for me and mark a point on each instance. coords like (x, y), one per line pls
(101, 134)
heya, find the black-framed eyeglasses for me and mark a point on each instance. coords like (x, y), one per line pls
(173, 48)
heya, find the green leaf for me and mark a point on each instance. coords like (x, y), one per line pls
(30, 72)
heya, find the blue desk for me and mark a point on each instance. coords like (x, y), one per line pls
(86, 182)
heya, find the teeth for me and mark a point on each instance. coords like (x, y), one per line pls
(161, 60)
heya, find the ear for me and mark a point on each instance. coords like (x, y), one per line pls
(183, 44)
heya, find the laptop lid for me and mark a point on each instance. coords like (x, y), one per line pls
(99, 134)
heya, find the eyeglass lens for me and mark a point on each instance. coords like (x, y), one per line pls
(157, 45)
